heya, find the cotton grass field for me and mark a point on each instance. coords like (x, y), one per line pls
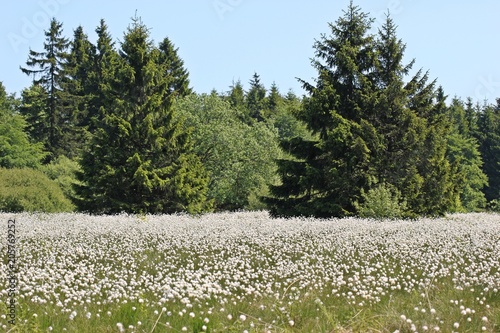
(246, 272)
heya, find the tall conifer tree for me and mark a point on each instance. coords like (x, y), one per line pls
(139, 159)
(47, 69)
(327, 175)
(175, 69)
(374, 129)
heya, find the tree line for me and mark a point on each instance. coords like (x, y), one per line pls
(107, 128)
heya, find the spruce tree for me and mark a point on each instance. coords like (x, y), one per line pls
(47, 69)
(375, 132)
(489, 146)
(463, 154)
(255, 98)
(103, 78)
(236, 98)
(175, 69)
(326, 176)
(77, 90)
(139, 159)
(274, 101)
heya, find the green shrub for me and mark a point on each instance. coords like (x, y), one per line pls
(30, 190)
(63, 171)
(383, 201)
(494, 206)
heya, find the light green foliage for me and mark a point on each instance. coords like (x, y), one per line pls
(463, 154)
(63, 171)
(238, 156)
(16, 150)
(28, 190)
(383, 201)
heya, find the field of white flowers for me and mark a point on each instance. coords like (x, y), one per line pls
(246, 272)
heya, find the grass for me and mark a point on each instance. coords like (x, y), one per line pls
(259, 275)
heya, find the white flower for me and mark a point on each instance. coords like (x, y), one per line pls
(243, 317)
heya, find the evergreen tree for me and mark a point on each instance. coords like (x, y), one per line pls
(47, 69)
(439, 191)
(104, 82)
(400, 131)
(375, 132)
(77, 90)
(237, 95)
(326, 176)
(175, 69)
(463, 154)
(255, 98)
(36, 112)
(489, 147)
(236, 98)
(139, 159)
(273, 101)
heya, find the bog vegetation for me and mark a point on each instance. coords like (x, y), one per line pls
(247, 272)
(119, 129)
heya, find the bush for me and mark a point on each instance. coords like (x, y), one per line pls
(63, 171)
(31, 191)
(494, 206)
(383, 201)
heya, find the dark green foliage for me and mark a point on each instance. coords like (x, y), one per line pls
(28, 190)
(140, 159)
(178, 75)
(35, 110)
(372, 128)
(463, 154)
(16, 150)
(47, 69)
(489, 147)
(327, 175)
(255, 98)
(77, 90)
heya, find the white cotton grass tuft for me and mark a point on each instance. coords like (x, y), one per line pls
(71, 252)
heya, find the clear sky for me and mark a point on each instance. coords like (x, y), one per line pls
(225, 40)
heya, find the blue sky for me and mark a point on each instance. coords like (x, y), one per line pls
(225, 40)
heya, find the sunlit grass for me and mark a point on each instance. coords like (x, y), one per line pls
(246, 272)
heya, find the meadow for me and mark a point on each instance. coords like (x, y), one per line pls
(245, 272)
